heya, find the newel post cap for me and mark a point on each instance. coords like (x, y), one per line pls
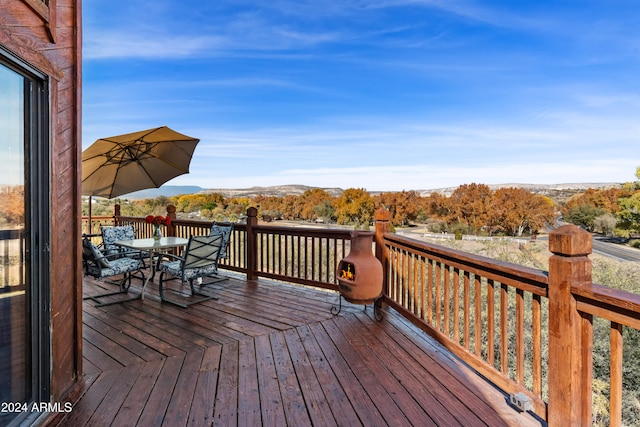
(570, 240)
(383, 214)
(252, 211)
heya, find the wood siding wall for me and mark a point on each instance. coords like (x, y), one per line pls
(49, 39)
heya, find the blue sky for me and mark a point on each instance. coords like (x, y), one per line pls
(378, 94)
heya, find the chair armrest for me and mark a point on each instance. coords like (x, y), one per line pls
(171, 256)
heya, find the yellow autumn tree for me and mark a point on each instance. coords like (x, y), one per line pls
(354, 206)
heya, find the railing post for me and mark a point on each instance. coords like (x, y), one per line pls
(569, 266)
(252, 247)
(171, 228)
(116, 214)
(383, 225)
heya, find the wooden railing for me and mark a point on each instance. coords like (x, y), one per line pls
(619, 309)
(307, 256)
(528, 331)
(486, 312)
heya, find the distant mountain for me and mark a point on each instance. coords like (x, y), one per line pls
(165, 190)
(275, 191)
(558, 192)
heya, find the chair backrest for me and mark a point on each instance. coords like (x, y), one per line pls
(112, 234)
(225, 230)
(91, 254)
(202, 251)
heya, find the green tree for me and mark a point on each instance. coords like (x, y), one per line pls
(325, 211)
(584, 215)
(629, 213)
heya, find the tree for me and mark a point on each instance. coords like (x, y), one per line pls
(629, 213)
(517, 210)
(269, 205)
(310, 200)
(12, 201)
(437, 205)
(402, 206)
(604, 199)
(291, 207)
(325, 211)
(354, 206)
(584, 216)
(605, 224)
(469, 205)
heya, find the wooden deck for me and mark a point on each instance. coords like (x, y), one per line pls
(271, 354)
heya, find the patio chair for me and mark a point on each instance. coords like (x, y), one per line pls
(225, 230)
(200, 259)
(120, 232)
(102, 267)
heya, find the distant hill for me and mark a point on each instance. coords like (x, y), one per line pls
(558, 192)
(275, 190)
(165, 190)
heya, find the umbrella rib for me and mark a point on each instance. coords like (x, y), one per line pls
(158, 165)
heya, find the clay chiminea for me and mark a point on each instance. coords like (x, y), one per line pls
(360, 273)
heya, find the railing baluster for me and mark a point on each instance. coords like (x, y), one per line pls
(456, 305)
(467, 308)
(478, 315)
(615, 375)
(438, 296)
(423, 288)
(491, 322)
(520, 336)
(447, 300)
(586, 327)
(414, 282)
(430, 291)
(536, 338)
(504, 328)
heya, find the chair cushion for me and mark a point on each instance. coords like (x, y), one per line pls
(225, 230)
(90, 251)
(174, 269)
(111, 234)
(117, 266)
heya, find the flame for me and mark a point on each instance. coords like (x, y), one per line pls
(347, 274)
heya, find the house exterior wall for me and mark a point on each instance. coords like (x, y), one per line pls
(47, 36)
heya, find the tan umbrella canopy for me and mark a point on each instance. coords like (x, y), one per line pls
(122, 164)
(135, 161)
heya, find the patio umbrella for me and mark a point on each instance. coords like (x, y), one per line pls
(135, 161)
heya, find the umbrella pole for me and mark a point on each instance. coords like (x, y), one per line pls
(90, 231)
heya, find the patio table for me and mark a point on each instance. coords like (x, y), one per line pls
(154, 247)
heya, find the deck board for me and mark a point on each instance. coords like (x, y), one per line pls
(271, 354)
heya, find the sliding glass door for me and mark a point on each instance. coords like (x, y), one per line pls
(24, 241)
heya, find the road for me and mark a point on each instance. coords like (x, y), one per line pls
(601, 245)
(607, 246)
(614, 250)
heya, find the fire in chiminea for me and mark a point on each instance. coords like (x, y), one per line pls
(348, 274)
